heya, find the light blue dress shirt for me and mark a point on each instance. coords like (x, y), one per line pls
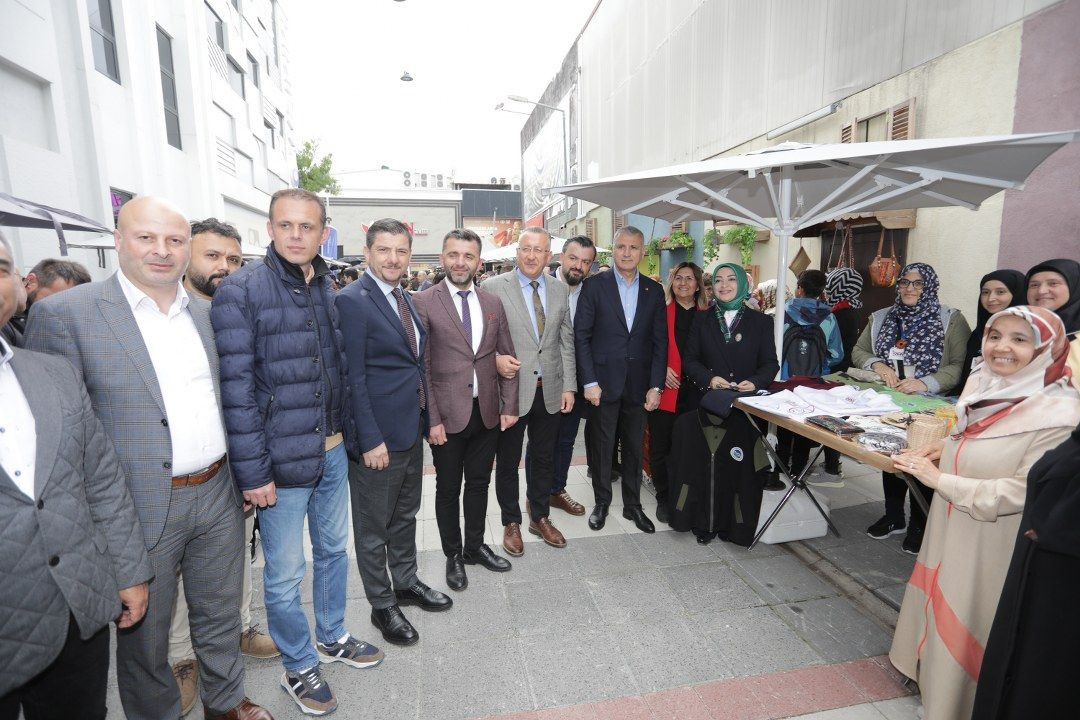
(386, 289)
(527, 295)
(628, 294)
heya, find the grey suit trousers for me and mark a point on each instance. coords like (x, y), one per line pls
(384, 507)
(203, 539)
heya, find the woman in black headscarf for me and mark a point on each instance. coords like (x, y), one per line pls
(1029, 668)
(1055, 285)
(997, 290)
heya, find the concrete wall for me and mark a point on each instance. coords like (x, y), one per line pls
(1043, 220)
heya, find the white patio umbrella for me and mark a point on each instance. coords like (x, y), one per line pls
(791, 186)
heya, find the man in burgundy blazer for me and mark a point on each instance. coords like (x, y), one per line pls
(469, 402)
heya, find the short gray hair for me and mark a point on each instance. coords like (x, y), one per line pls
(628, 230)
(535, 229)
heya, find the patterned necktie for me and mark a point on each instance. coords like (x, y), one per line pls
(410, 333)
(538, 309)
(466, 317)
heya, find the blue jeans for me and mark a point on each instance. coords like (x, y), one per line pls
(326, 507)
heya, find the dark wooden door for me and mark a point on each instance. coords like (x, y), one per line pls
(866, 247)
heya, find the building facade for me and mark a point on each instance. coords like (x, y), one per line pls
(666, 83)
(105, 100)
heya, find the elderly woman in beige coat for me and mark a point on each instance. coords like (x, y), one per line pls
(1017, 405)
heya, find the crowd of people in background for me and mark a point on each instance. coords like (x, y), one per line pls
(152, 419)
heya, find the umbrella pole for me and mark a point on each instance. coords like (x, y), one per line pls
(784, 238)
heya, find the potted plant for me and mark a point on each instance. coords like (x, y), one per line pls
(742, 237)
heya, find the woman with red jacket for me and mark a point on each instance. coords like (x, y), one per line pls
(685, 299)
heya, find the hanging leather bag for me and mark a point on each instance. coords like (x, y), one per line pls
(847, 249)
(884, 271)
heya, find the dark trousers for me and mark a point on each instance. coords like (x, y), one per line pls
(384, 505)
(73, 686)
(661, 423)
(895, 492)
(543, 428)
(793, 449)
(564, 446)
(616, 465)
(625, 419)
(469, 453)
(203, 539)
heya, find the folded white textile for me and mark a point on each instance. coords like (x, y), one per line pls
(838, 402)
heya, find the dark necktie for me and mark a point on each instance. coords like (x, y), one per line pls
(538, 308)
(410, 333)
(466, 318)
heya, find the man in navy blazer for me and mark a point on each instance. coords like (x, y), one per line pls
(620, 331)
(384, 346)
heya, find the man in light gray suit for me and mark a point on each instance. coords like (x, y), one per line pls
(72, 560)
(538, 312)
(146, 351)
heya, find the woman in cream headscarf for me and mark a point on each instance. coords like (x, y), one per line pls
(1018, 404)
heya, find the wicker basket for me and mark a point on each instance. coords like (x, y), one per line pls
(925, 430)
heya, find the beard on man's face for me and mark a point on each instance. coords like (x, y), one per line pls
(206, 285)
(573, 276)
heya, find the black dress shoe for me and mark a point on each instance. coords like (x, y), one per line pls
(644, 524)
(394, 626)
(598, 517)
(455, 573)
(424, 597)
(484, 556)
(661, 510)
(703, 538)
(773, 482)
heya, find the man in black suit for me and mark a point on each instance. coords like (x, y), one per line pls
(384, 345)
(620, 331)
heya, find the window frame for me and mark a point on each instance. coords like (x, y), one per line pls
(253, 67)
(217, 32)
(107, 35)
(168, 78)
(231, 66)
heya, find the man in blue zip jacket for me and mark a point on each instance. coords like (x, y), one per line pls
(286, 414)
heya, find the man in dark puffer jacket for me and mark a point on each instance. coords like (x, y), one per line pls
(285, 404)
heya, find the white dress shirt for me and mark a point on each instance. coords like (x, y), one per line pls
(477, 318)
(183, 374)
(387, 289)
(18, 430)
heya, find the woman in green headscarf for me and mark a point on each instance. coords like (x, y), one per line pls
(730, 348)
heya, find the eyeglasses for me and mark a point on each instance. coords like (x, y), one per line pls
(917, 284)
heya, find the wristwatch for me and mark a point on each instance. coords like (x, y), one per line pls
(656, 389)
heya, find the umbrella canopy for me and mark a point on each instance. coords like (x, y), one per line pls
(509, 252)
(15, 212)
(793, 185)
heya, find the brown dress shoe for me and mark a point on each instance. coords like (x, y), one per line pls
(246, 710)
(563, 501)
(186, 674)
(548, 532)
(512, 543)
(257, 644)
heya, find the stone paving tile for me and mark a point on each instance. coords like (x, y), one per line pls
(893, 594)
(539, 606)
(477, 613)
(571, 668)
(678, 704)
(903, 708)
(864, 711)
(873, 563)
(783, 579)
(836, 629)
(667, 547)
(755, 641)
(606, 555)
(634, 597)
(667, 653)
(709, 588)
(483, 676)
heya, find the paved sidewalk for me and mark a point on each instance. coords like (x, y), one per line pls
(621, 624)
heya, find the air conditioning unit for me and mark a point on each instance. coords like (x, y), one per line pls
(408, 182)
(406, 174)
(494, 181)
(423, 182)
(517, 187)
(502, 181)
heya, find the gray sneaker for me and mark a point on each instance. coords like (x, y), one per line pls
(308, 689)
(356, 653)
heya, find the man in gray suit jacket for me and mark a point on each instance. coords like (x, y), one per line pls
(72, 560)
(146, 351)
(538, 312)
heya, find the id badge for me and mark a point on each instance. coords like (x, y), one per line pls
(895, 354)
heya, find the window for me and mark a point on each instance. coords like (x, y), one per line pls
(253, 69)
(119, 197)
(168, 89)
(103, 38)
(236, 76)
(236, 4)
(270, 134)
(215, 27)
(274, 26)
(281, 125)
(871, 129)
(224, 125)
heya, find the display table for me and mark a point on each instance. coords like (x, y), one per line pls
(824, 438)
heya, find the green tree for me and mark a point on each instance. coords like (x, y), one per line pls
(315, 173)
